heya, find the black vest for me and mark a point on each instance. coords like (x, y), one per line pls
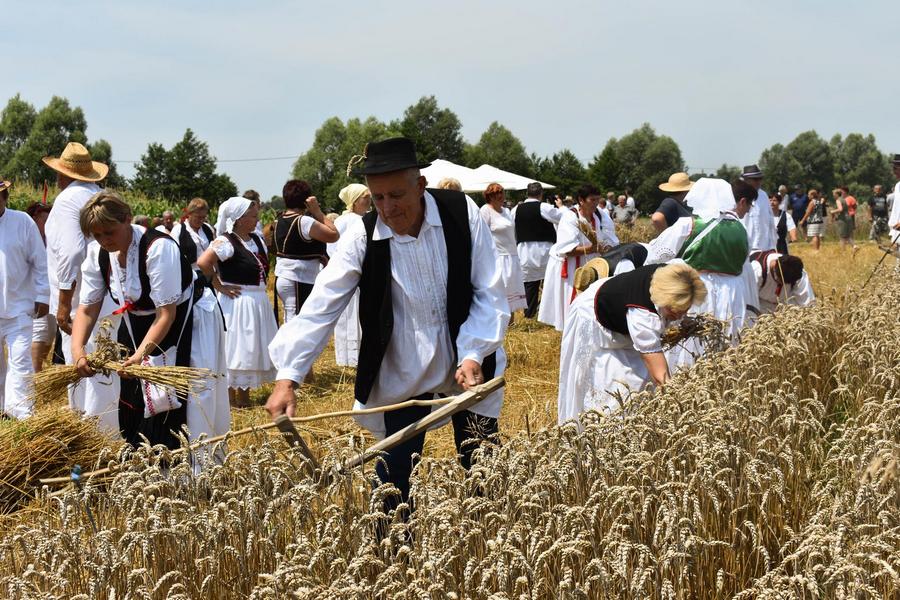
(782, 231)
(616, 296)
(531, 226)
(187, 244)
(243, 267)
(376, 309)
(144, 302)
(290, 244)
(633, 251)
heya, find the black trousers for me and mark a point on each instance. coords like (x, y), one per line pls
(398, 464)
(532, 291)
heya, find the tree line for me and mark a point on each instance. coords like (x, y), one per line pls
(639, 160)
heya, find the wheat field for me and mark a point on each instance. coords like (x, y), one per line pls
(767, 471)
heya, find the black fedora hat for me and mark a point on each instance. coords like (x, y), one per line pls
(896, 159)
(387, 156)
(752, 172)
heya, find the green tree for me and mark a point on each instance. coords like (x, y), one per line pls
(605, 170)
(324, 165)
(436, 131)
(54, 126)
(101, 151)
(16, 122)
(563, 170)
(816, 164)
(179, 174)
(858, 163)
(779, 167)
(499, 148)
(728, 172)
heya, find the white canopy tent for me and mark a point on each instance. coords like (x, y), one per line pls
(476, 180)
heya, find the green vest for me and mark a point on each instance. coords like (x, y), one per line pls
(723, 250)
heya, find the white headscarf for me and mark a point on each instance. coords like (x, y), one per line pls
(709, 197)
(230, 211)
(350, 194)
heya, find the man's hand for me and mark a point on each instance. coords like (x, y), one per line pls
(40, 310)
(63, 320)
(469, 374)
(282, 400)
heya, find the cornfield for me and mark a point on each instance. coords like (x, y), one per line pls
(767, 471)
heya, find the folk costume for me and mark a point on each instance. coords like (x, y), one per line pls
(717, 248)
(784, 224)
(154, 274)
(208, 411)
(249, 319)
(761, 235)
(559, 290)
(610, 325)
(503, 231)
(96, 396)
(771, 291)
(427, 303)
(23, 282)
(894, 218)
(535, 228)
(298, 261)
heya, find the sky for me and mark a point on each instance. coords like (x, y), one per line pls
(725, 78)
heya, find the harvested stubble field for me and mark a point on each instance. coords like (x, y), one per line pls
(769, 471)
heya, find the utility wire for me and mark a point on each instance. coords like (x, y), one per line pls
(229, 160)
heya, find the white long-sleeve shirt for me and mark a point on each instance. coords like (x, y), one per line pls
(533, 255)
(66, 245)
(23, 265)
(761, 233)
(894, 218)
(419, 356)
(799, 294)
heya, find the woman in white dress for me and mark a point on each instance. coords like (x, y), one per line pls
(208, 412)
(347, 332)
(238, 266)
(503, 230)
(612, 342)
(582, 234)
(146, 276)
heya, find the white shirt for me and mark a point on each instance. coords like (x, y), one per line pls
(799, 294)
(162, 229)
(342, 224)
(224, 250)
(163, 271)
(23, 266)
(66, 245)
(629, 202)
(502, 227)
(645, 328)
(533, 255)
(569, 235)
(419, 356)
(788, 221)
(296, 269)
(894, 217)
(199, 238)
(761, 234)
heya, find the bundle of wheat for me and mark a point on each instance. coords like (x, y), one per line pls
(45, 445)
(53, 381)
(707, 329)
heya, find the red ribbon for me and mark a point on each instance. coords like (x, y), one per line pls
(128, 306)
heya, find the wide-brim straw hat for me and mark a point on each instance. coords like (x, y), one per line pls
(678, 182)
(75, 162)
(594, 270)
(5, 185)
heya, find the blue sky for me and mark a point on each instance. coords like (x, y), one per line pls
(254, 79)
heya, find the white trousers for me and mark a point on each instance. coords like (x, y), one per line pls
(16, 367)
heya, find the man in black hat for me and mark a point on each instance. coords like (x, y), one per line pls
(432, 308)
(761, 233)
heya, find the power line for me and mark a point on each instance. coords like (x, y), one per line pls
(229, 160)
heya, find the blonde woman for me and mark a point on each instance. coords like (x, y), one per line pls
(347, 332)
(612, 341)
(146, 276)
(503, 230)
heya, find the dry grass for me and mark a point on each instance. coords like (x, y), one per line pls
(768, 471)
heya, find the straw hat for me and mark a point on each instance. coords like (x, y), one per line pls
(75, 162)
(678, 182)
(593, 270)
(5, 185)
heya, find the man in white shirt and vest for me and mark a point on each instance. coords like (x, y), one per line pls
(535, 223)
(23, 297)
(77, 177)
(432, 309)
(761, 234)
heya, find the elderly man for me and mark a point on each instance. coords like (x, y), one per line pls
(24, 294)
(76, 177)
(672, 207)
(432, 308)
(623, 214)
(535, 234)
(761, 234)
(168, 222)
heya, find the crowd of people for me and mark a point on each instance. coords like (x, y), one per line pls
(417, 293)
